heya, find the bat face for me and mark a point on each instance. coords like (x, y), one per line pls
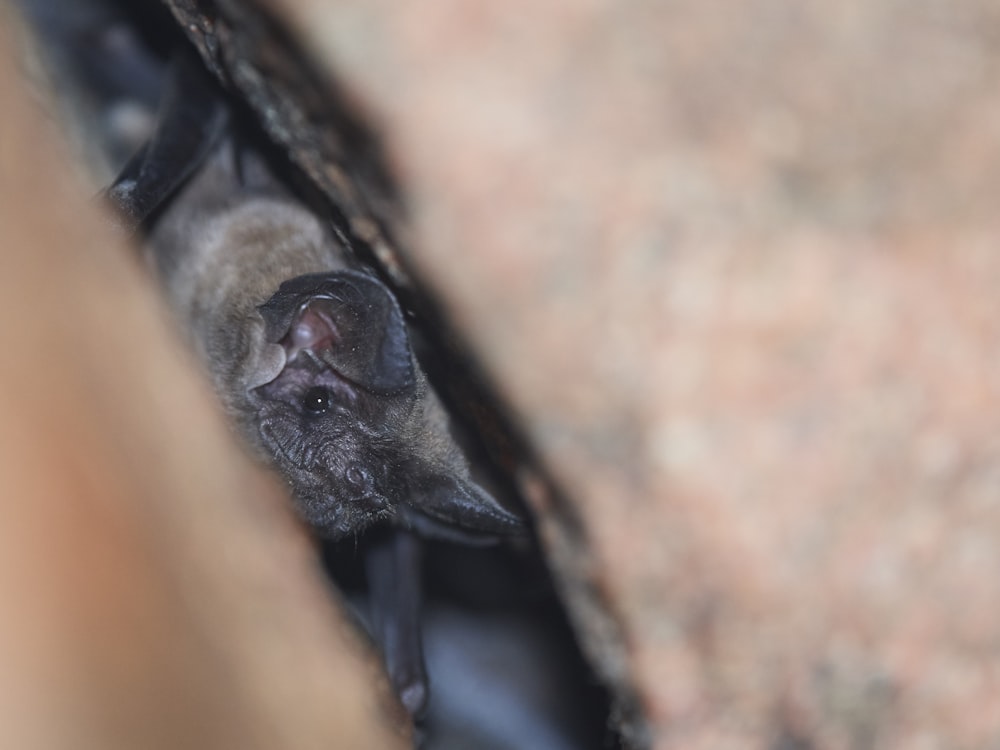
(349, 418)
(315, 365)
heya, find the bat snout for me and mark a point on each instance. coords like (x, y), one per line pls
(359, 479)
(364, 493)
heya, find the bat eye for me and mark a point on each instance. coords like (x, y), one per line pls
(316, 401)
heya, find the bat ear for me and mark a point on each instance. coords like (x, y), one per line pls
(350, 321)
(461, 511)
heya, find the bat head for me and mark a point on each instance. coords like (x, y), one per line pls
(350, 420)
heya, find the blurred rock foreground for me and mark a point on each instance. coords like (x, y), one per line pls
(155, 590)
(733, 264)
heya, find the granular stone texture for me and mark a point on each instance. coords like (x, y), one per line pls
(735, 266)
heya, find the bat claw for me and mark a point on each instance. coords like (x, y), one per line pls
(413, 696)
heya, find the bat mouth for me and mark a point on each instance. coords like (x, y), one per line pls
(378, 512)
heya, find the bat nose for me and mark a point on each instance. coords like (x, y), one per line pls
(359, 479)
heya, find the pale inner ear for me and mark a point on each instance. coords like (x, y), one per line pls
(311, 329)
(270, 362)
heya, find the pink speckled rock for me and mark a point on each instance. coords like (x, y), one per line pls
(735, 265)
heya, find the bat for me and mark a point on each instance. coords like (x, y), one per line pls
(308, 350)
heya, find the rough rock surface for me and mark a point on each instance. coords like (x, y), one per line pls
(735, 266)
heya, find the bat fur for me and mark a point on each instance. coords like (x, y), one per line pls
(281, 313)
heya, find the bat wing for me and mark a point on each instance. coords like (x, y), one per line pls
(459, 510)
(192, 120)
